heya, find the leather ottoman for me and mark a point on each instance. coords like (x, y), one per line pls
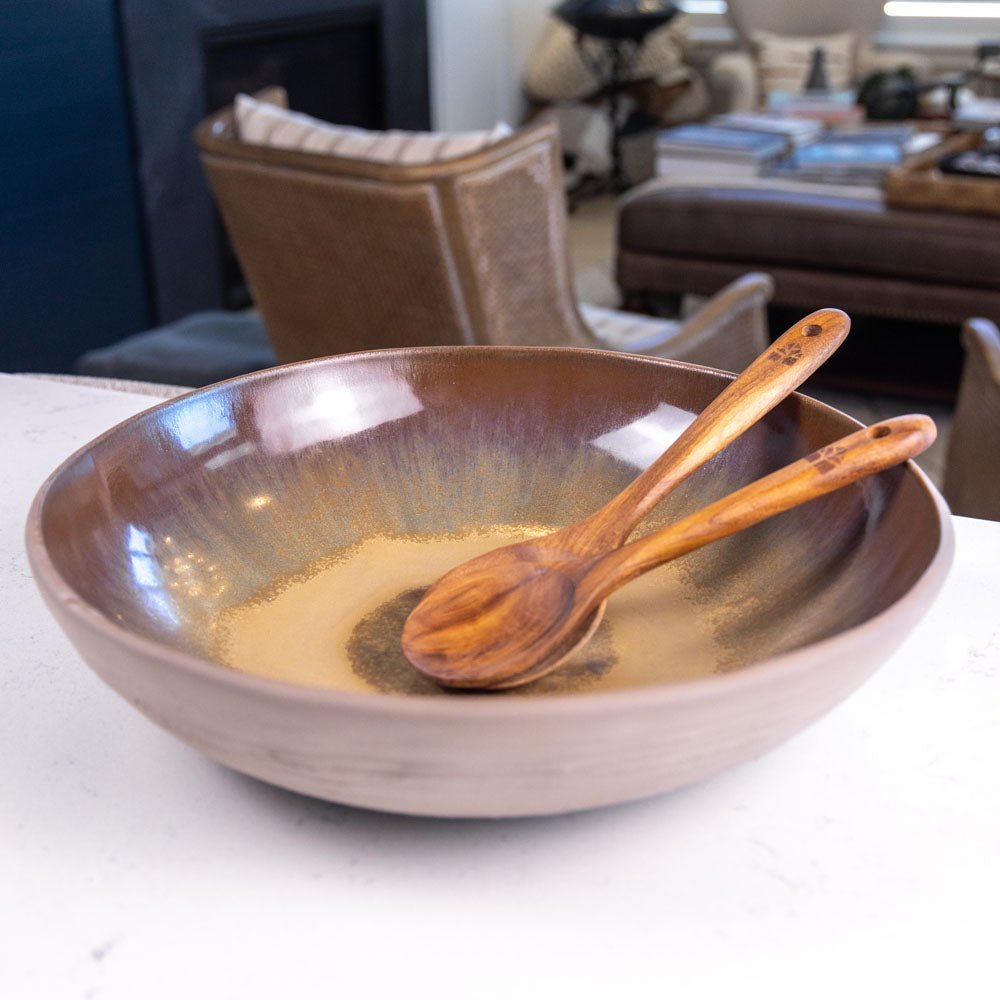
(824, 246)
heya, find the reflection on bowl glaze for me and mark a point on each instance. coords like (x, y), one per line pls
(337, 624)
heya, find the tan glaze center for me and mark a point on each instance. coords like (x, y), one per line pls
(338, 623)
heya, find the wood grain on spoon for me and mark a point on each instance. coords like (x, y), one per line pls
(513, 651)
(476, 612)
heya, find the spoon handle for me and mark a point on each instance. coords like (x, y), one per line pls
(845, 461)
(782, 368)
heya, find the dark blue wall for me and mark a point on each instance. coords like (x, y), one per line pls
(71, 268)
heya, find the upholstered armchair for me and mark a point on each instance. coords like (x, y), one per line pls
(847, 27)
(344, 254)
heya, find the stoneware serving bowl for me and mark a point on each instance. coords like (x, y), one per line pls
(238, 563)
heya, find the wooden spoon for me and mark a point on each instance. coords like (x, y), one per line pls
(511, 642)
(443, 634)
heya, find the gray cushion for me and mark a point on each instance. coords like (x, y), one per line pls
(197, 350)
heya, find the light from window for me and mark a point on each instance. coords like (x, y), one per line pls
(894, 8)
(702, 6)
(940, 8)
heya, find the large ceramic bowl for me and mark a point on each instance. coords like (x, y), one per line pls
(238, 563)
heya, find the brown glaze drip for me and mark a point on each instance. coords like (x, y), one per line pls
(377, 657)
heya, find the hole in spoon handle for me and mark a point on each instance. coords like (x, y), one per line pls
(789, 350)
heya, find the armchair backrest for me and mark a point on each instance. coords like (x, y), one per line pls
(342, 254)
(804, 18)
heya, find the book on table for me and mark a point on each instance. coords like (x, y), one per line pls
(797, 131)
(977, 114)
(838, 107)
(706, 149)
(849, 157)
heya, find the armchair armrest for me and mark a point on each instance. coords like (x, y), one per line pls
(727, 332)
(732, 78)
(730, 329)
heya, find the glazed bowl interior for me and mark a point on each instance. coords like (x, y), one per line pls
(283, 524)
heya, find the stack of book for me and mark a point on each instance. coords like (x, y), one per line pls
(827, 107)
(798, 131)
(715, 151)
(849, 157)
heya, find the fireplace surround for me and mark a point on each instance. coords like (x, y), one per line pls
(355, 63)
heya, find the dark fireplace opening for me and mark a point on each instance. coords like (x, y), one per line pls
(357, 62)
(330, 65)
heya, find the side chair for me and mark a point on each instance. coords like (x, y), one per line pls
(972, 465)
(344, 254)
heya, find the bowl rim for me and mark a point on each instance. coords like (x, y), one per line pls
(484, 705)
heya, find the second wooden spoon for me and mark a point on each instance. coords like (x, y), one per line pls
(444, 634)
(568, 605)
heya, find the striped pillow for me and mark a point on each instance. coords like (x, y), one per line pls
(269, 124)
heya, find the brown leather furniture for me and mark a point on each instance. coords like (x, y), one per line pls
(821, 249)
(343, 254)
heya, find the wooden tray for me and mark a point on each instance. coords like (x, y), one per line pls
(919, 184)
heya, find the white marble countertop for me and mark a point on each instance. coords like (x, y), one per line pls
(859, 859)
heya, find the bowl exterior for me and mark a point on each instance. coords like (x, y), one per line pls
(484, 758)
